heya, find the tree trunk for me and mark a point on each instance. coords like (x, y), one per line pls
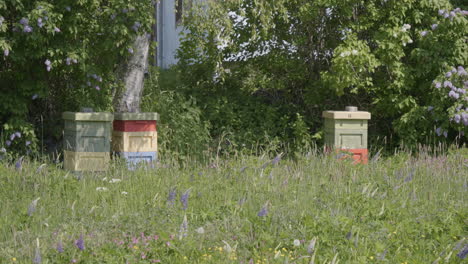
(132, 74)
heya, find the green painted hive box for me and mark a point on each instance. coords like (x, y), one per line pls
(346, 129)
(87, 132)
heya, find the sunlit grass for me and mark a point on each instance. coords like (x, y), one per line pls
(395, 210)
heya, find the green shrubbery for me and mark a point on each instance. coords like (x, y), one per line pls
(61, 56)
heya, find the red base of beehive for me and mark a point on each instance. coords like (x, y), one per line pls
(360, 156)
(134, 125)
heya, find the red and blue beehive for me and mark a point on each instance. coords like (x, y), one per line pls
(135, 137)
(346, 132)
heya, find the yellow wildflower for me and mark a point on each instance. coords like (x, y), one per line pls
(13, 259)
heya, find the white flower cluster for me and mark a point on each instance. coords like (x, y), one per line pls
(406, 27)
(348, 53)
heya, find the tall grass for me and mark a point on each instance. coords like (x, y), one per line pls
(400, 209)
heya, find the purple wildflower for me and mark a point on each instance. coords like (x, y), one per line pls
(277, 159)
(438, 131)
(88, 83)
(438, 85)
(130, 50)
(24, 21)
(446, 15)
(125, 10)
(465, 118)
(37, 256)
(453, 14)
(453, 70)
(445, 134)
(12, 136)
(28, 143)
(68, 8)
(35, 96)
(441, 12)
(423, 33)
(80, 243)
(184, 199)
(75, 60)
(1, 20)
(457, 118)
(32, 207)
(56, 29)
(434, 26)
(60, 246)
(263, 212)
(97, 87)
(47, 62)
(461, 91)
(68, 61)
(172, 196)
(448, 74)
(463, 253)
(8, 143)
(18, 134)
(27, 29)
(99, 79)
(113, 16)
(448, 84)
(430, 108)
(6, 52)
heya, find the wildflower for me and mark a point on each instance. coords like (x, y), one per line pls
(12, 136)
(8, 143)
(423, 33)
(130, 50)
(448, 84)
(68, 61)
(345, 54)
(184, 199)
(56, 29)
(32, 206)
(68, 8)
(27, 29)
(441, 12)
(115, 180)
(37, 256)
(125, 10)
(438, 131)
(80, 243)
(172, 196)
(18, 134)
(103, 189)
(3, 150)
(24, 21)
(13, 259)
(263, 212)
(200, 230)
(35, 96)
(454, 95)
(354, 52)
(445, 134)
(28, 143)
(277, 159)
(405, 27)
(74, 60)
(453, 14)
(124, 193)
(183, 231)
(6, 52)
(448, 74)
(457, 118)
(296, 242)
(97, 87)
(1, 20)
(19, 164)
(434, 26)
(463, 253)
(430, 108)
(446, 15)
(60, 246)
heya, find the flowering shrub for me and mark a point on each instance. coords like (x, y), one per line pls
(63, 55)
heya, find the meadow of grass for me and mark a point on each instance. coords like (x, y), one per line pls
(243, 209)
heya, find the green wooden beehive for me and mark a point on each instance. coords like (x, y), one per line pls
(346, 129)
(87, 132)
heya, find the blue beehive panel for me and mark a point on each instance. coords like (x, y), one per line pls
(133, 158)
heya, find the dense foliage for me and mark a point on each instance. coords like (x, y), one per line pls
(60, 56)
(266, 71)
